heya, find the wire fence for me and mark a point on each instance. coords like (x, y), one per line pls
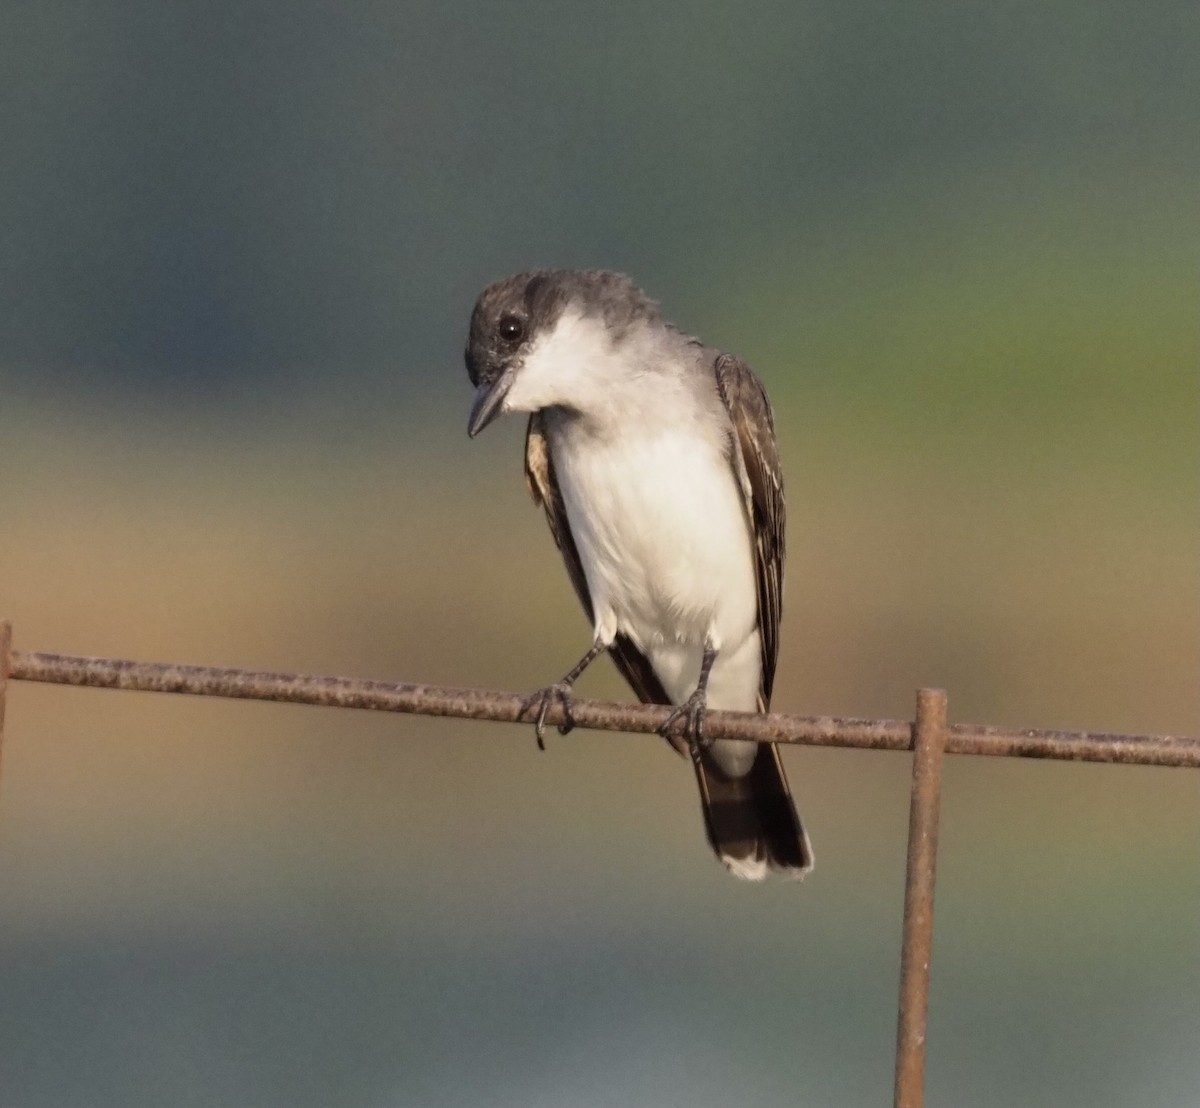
(928, 736)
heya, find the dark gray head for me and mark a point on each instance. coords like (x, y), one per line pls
(512, 315)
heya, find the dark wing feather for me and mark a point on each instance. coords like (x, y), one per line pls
(756, 465)
(635, 667)
(543, 487)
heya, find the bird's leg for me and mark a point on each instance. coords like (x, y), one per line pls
(560, 691)
(695, 707)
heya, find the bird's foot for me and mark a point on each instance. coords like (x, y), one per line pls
(692, 711)
(543, 700)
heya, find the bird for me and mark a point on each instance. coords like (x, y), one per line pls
(654, 458)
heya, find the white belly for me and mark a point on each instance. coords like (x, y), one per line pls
(662, 533)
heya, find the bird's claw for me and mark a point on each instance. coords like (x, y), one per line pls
(560, 691)
(692, 711)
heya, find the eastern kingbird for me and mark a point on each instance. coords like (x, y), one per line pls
(654, 458)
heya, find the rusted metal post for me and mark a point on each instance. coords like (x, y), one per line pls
(5, 662)
(929, 743)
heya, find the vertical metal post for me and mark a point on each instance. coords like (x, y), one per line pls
(929, 740)
(5, 663)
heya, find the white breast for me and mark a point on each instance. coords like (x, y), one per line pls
(662, 533)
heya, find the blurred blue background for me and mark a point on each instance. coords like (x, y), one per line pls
(240, 243)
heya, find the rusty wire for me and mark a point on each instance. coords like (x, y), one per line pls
(5, 662)
(928, 737)
(509, 707)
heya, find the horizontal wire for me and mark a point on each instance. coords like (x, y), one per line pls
(508, 707)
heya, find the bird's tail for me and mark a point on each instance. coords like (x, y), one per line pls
(751, 821)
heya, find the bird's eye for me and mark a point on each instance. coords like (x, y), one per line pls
(511, 328)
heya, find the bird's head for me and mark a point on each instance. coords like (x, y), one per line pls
(539, 339)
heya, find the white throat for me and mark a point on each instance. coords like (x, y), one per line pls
(576, 364)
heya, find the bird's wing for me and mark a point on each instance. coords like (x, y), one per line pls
(756, 465)
(633, 665)
(543, 487)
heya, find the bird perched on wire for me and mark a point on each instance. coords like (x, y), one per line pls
(654, 458)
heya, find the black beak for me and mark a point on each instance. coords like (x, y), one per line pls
(488, 399)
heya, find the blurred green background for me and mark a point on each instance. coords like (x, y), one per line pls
(240, 243)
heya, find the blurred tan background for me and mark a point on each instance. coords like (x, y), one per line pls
(241, 243)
